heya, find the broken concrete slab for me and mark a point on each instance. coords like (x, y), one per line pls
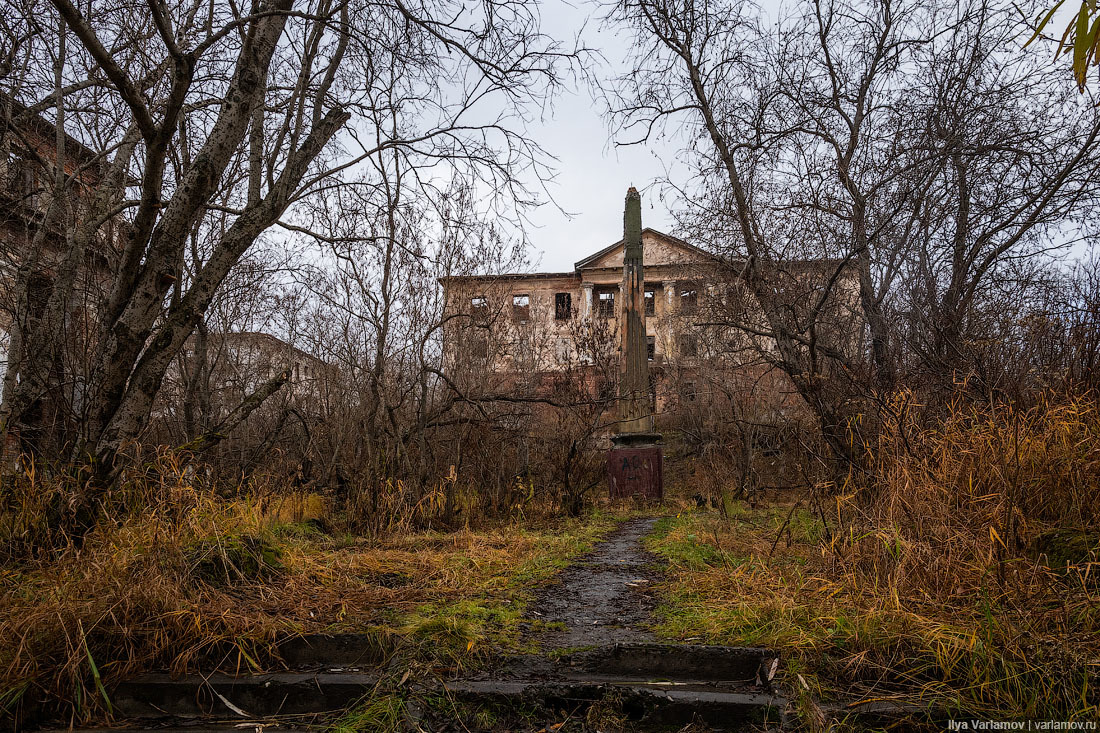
(726, 709)
(677, 661)
(220, 695)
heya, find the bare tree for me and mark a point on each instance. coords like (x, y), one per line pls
(891, 141)
(1012, 153)
(212, 125)
(709, 64)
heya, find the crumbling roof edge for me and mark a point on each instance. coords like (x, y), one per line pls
(584, 263)
(508, 276)
(19, 108)
(228, 336)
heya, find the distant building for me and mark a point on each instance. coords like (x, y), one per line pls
(531, 328)
(28, 162)
(234, 366)
(250, 359)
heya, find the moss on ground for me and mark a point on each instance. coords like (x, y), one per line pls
(175, 588)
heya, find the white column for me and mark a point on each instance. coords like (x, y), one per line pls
(587, 312)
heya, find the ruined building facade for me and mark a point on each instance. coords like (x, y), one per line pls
(522, 333)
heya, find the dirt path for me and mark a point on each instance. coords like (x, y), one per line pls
(607, 597)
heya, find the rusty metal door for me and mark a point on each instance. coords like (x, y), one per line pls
(636, 472)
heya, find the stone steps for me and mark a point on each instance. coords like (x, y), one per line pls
(158, 695)
(660, 684)
(649, 703)
(746, 665)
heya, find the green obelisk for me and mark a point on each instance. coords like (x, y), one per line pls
(635, 464)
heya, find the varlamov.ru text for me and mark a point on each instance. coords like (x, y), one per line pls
(1021, 725)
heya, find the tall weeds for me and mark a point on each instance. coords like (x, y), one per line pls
(985, 524)
(979, 500)
(183, 572)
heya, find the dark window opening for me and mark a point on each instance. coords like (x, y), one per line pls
(606, 303)
(521, 307)
(39, 290)
(689, 299)
(563, 306)
(650, 302)
(605, 390)
(479, 347)
(689, 391)
(479, 306)
(22, 177)
(735, 297)
(651, 347)
(689, 345)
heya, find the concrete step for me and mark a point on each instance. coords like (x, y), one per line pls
(657, 683)
(158, 695)
(334, 651)
(677, 661)
(678, 704)
(215, 726)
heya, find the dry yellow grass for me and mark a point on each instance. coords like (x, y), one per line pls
(962, 575)
(189, 579)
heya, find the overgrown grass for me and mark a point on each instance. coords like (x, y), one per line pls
(192, 580)
(845, 639)
(961, 577)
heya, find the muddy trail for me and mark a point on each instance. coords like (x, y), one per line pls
(596, 655)
(594, 663)
(607, 597)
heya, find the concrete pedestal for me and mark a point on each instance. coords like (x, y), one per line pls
(635, 467)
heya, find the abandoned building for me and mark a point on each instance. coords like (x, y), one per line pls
(32, 233)
(523, 332)
(225, 368)
(238, 362)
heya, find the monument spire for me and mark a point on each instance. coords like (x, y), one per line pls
(635, 463)
(635, 414)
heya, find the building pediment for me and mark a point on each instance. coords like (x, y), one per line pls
(659, 249)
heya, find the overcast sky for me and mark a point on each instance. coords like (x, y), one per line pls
(592, 174)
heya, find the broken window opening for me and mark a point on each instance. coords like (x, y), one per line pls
(563, 306)
(521, 307)
(606, 303)
(651, 347)
(689, 345)
(689, 299)
(479, 306)
(39, 290)
(650, 302)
